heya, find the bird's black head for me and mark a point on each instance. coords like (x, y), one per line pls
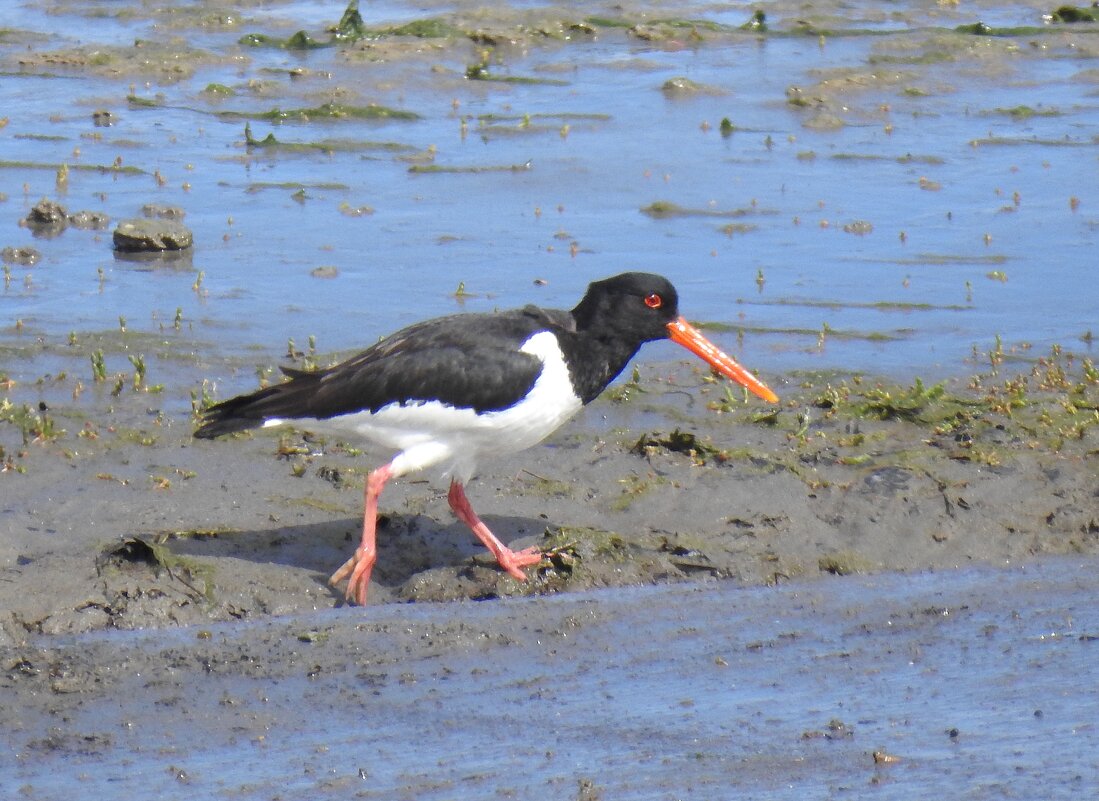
(633, 307)
(619, 314)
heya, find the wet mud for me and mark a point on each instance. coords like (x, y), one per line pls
(123, 521)
(911, 687)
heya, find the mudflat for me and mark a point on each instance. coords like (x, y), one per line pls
(881, 582)
(119, 519)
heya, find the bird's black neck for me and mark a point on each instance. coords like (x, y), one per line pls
(595, 356)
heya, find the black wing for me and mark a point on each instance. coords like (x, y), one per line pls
(467, 361)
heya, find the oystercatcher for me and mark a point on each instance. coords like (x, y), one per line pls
(447, 392)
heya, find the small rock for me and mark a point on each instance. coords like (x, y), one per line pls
(46, 214)
(28, 257)
(89, 220)
(102, 118)
(324, 272)
(859, 227)
(141, 236)
(163, 212)
(684, 87)
(89, 617)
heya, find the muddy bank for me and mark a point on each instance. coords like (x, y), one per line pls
(916, 687)
(118, 519)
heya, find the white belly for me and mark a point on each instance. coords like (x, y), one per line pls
(434, 435)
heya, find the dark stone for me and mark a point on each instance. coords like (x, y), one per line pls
(142, 236)
(89, 220)
(46, 214)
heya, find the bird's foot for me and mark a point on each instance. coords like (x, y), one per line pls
(514, 561)
(358, 567)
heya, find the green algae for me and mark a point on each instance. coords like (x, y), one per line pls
(880, 305)
(825, 331)
(738, 228)
(155, 554)
(33, 137)
(35, 424)
(430, 28)
(1050, 407)
(1033, 140)
(564, 116)
(135, 436)
(270, 143)
(325, 111)
(662, 209)
(299, 41)
(142, 102)
(351, 24)
(352, 28)
(427, 169)
(981, 29)
(929, 57)
(486, 131)
(756, 23)
(494, 125)
(117, 169)
(171, 60)
(805, 28)
(1026, 112)
(845, 563)
(481, 72)
(696, 25)
(674, 27)
(1074, 14)
(677, 442)
(607, 22)
(682, 86)
(548, 487)
(907, 158)
(569, 540)
(948, 258)
(257, 186)
(913, 403)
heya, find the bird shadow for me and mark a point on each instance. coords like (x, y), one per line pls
(407, 545)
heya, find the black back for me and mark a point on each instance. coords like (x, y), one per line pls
(469, 360)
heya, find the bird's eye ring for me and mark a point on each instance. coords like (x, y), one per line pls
(654, 301)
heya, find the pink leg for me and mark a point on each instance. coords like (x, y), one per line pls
(362, 561)
(510, 560)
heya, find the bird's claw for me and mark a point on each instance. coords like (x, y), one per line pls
(514, 561)
(358, 568)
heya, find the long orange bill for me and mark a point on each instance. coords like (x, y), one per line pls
(685, 334)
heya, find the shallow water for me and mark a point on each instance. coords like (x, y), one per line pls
(499, 231)
(979, 683)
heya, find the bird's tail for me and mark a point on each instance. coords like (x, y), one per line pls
(225, 419)
(249, 411)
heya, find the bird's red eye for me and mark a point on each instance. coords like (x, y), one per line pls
(654, 301)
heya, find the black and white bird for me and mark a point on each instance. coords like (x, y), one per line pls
(449, 392)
